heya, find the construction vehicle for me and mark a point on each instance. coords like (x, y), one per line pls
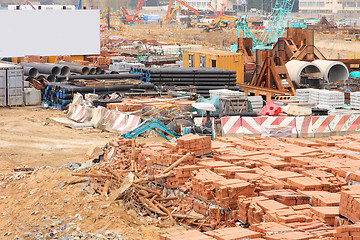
(170, 18)
(189, 22)
(180, 129)
(219, 23)
(135, 17)
(274, 28)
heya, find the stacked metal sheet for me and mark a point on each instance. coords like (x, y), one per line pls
(256, 101)
(302, 94)
(355, 100)
(227, 93)
(203, 79)
(124, 66)
(314, 96)
(335, 99)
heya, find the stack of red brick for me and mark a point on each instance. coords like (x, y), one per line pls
(199, 145)
(33, 58)
(124, 106)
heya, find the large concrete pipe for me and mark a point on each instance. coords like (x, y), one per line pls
(84, 70)
(297, 68)
(30, 71)
(46, 68)
(333, 71)
(65, 70)
(48, 77)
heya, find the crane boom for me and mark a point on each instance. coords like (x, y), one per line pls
(223, 7)
(139, 5)
(213, 9)
(182, 3)
(277, 21)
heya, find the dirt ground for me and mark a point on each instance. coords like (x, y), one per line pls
(49, 203)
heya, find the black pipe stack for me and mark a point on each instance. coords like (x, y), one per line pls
(60, 94)
(203, 79)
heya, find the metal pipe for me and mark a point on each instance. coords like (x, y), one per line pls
(99, 70)
(76, 67)
(46, 68)
(92, 71)
(104, 76)
(49, 77)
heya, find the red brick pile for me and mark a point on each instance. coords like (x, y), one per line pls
(350, 203)
(99, 61)
(33, 58)
(124, 106)
(66, 58)
(257, 180)
(351, 232)
(199, 145)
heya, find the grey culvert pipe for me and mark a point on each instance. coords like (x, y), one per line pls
(49, 77)
(46, 68)
(30, 71)
(65, 70)
(84, 70)
(296, 68)
(333, 71)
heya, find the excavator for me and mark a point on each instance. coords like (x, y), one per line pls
(170, 18)
(135, 17)
(219, 23)
(190, 24)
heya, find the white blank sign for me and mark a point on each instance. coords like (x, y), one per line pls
(49, 32)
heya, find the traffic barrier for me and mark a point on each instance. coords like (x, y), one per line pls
(352, 125)
(131, 123)
(304, 126)
(97, 116)
(281, 121)
(231, 125)
(336, 124)
(252, 125)
(119, 121)
(105, 123)
(320, 126)
(71, 110)
(79, 113)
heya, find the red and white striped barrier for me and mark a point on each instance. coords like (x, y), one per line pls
(106, 120)
(352, 125)
(252, 125)
(80, 113)
(97, 116)
(119, 121)
(231, 125)
(131, 123)
(304, 126)
(282, 121)
(336, 123)
(320, 126)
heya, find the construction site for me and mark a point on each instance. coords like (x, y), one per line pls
(175, 120)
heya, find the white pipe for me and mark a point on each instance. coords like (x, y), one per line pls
(333, 71)
(296, 68)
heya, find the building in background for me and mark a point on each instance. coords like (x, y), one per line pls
(341, 7)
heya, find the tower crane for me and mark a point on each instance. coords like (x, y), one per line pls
(274, 28)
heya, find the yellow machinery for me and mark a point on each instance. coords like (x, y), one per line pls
(171, 15)
(219, 23)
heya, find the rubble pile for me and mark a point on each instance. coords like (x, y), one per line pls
(282, 189)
